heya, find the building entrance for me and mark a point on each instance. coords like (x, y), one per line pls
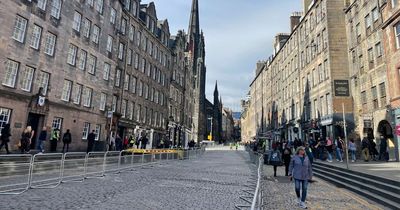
(36, 122)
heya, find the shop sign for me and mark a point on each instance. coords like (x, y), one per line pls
(341, 88)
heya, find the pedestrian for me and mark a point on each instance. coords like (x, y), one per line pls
(131, 141)
(126, 142)
(144, 141)
(118, 143)
(339, 149)
(55, 137)
(275, 157)
(301, 170)
(5, 137)
(91, 138)
(286, 156)
(329, 148)
(138, 143)
(26, 139)
(352, 150)
(237, 145)
(365, 148)
(297, 143)
(111, 144)
(309, 153)
(67, 139)
(42, 138)
(373, 152)
(383, 149)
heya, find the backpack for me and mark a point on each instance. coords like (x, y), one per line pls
(275, 158)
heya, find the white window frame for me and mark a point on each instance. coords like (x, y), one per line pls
(113, 15)
(109, 43)
(95, 34)
(77, 93)
(55, 8)
(87, 97)
(129, 57)
(57, 123)
(118, 78)
(71, 57)
(5, 115)
(99, 6)
(82, 59)
(103, 101)
(36, 35)
(121, 51)
(87, 25)
(76, 24)
(11, 72)
(97, 132)
(86, 130)
(397, 34)
(20, 28)
(27, 78)
(43, 81)
(92, 62)
(126, 81)
(50, 43)
(106, 71)
(41, 4)
(66, 91)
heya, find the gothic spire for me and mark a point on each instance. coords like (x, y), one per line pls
(216, 87)
(194, 24)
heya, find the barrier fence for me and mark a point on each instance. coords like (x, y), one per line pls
(19, 173)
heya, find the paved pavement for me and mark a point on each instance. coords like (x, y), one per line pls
(279, 194)
(389, 170)
(213, 181)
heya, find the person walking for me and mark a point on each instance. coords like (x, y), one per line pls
(42, 138)
(55, 137)
(125, 142)
(352, 150)
(373, 152)
(138, 143)
(329, 148)
(286, 156)
(144, 141)
(118, 143)
(383, 149)
(301, 170)
(131, 141)
(365, 148)
(339, 149)
(26, 138)
(309, 153)
(275, 157)
(91, 138)
(5, 137)
(67, 139)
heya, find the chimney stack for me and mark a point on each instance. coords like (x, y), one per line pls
(295, 20)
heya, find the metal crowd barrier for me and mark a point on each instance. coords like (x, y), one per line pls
(20, 166)
(43, 162)
(19, 173)
(257, 199)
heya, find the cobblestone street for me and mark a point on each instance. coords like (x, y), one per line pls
(213, 181)
(279, 194)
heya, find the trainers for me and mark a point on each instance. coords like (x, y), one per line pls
(341, 161)
(298, 201)
(303, 205)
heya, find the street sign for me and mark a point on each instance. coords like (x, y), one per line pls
(398, 130)
(109, 114)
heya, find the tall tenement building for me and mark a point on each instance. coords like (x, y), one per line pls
(103, 65)
(339, 59)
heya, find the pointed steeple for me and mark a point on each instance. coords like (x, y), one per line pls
(216, 88)
(194, 24)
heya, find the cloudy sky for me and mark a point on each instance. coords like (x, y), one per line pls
(238, 33)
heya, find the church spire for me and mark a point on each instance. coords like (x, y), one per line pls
(194, 24)
(216, 88)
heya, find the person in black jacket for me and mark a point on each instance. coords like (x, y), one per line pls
(91, 138)
(66, 140)
(42, 138)
(287, 156)
(5, 137)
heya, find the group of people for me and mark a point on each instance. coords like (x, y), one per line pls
(119, 144)
(369, 151)
(28, 134)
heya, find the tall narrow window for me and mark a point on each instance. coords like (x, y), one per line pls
(66, 91)
(5, 115)
(86, 27)
(95, 34)
(118, 78)
(126, 82)
(133, 84)
(121, 51)
(77, 93)
(41, 4)
(55, 8)
(123, 108)
(114, 103)
(43, 83)
(109, 43)
(113, 15)
(11, 73)
(71, 58)
(50, 43)
(26, 78)
(99, 6)
(106, 71)
(86, 129)
(97, 132)
(92, 60)
(82, 60)
(19, 28)
(87, 97)
(129, 57)
(36, 34)
(103, 101)
(76, 25)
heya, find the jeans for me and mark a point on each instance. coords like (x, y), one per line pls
(5, 143)
(304, 185)
(40, 145)
(339, 154)
(365, 152)
(353, 155)
(329, 156)
(66, 145)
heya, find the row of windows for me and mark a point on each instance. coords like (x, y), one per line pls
(55, 7)
(376, 101)
(132, 111)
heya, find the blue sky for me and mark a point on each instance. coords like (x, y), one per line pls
(238, 33)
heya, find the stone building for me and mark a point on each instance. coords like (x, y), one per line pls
(227, 125)
(391, 42)
(306, 80)
(367, 68)
(101, 65)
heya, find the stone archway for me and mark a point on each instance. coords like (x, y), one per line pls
(385, 129)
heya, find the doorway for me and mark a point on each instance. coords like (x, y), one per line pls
(36, 122)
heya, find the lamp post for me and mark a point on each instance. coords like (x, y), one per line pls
(345, 138)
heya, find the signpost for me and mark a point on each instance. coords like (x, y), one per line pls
(345, 138)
